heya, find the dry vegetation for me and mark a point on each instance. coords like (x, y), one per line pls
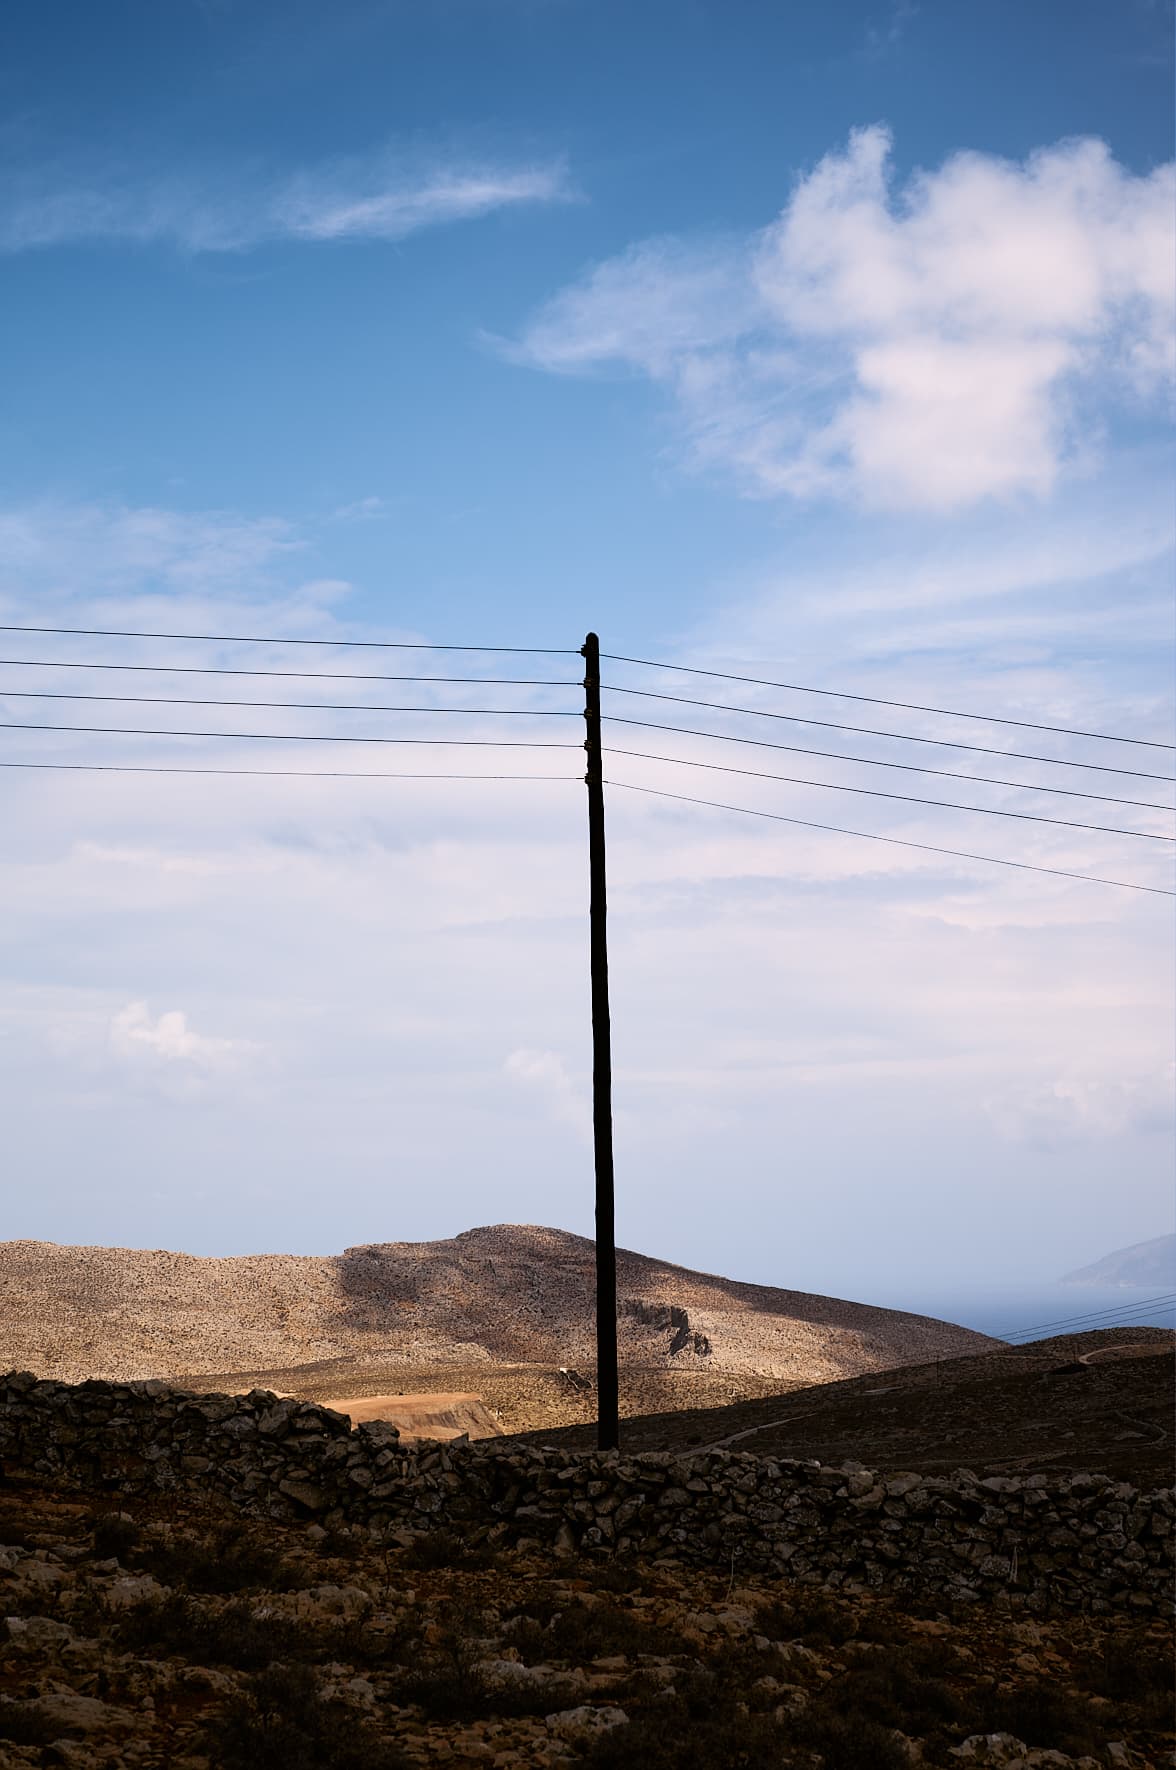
(173, 1638)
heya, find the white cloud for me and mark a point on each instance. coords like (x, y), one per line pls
(380, 197)
(168, 1042)
(922, 346)
(1080, 1108)
(546, 1073)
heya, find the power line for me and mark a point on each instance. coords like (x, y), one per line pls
(894, 841)
(550, 651)
(292, 737)
(165, 700)
(877, 701)
(300, 675)
(35, 694)
(1095, 1315)
(903, 737)
(950, 774)
(793, 780)
(729, 737)
(878, 793)
(311, 774)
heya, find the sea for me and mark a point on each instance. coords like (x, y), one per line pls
(1036, 1312)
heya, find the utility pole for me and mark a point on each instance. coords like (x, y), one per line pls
(607, 1400)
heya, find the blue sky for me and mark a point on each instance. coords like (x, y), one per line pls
(831, 340)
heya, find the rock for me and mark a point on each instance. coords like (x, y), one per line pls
(304, 1493)
(132, 1589)
(586, 1721)
(32, 1634)
(1001, 1751)
(85, 1714)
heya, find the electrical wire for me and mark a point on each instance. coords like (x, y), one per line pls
(1095, 1315)
(36, 694)
(794, 780)
(292, 737)
(300, 675)
(894, 841)
(166, 700)
(1125, 1317)
(550, 651)
(903, 737)
(950, 774)
(1109, 737)
(310, 774)
(720, 737)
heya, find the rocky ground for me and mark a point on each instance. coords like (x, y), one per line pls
(173, 1638)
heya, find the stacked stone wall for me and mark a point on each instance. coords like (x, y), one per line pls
(1043, 1542)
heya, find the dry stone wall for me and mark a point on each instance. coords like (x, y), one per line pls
(1042, 1542)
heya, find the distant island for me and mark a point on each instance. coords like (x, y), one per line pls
(1146, 1265)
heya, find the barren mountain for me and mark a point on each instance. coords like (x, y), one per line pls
(1147, 1265)
(510, 1295)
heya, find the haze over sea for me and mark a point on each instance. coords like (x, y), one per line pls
(1008, 1310)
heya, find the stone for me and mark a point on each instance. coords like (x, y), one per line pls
(32, 1633)
(586, 1721)
(304, 1493)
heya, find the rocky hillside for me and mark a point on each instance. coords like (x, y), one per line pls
(510, 1294)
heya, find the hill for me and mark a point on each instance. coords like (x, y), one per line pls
(1149, 1265)
(391, 1316)
(1098, 1400)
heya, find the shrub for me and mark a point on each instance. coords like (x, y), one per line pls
(808, 1617)
(114, 1536)
(582, 1632)
(613, 1576)
(1045, 1715)
(24, 1723)
(283, 1722)
(233, 1636)
(1132, 1670)
(854, 1742)
(444, 1548)
(340, 1545)
(670, 1735)
(852, 1720)
(232, 1559)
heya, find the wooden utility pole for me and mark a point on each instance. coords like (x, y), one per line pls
(608, 1425)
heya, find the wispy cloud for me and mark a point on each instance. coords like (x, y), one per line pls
(888, 31)
(379, 197)
(923, 346)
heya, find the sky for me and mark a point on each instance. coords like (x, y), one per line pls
(823, 346)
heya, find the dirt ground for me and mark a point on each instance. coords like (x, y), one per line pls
(441, 1416)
